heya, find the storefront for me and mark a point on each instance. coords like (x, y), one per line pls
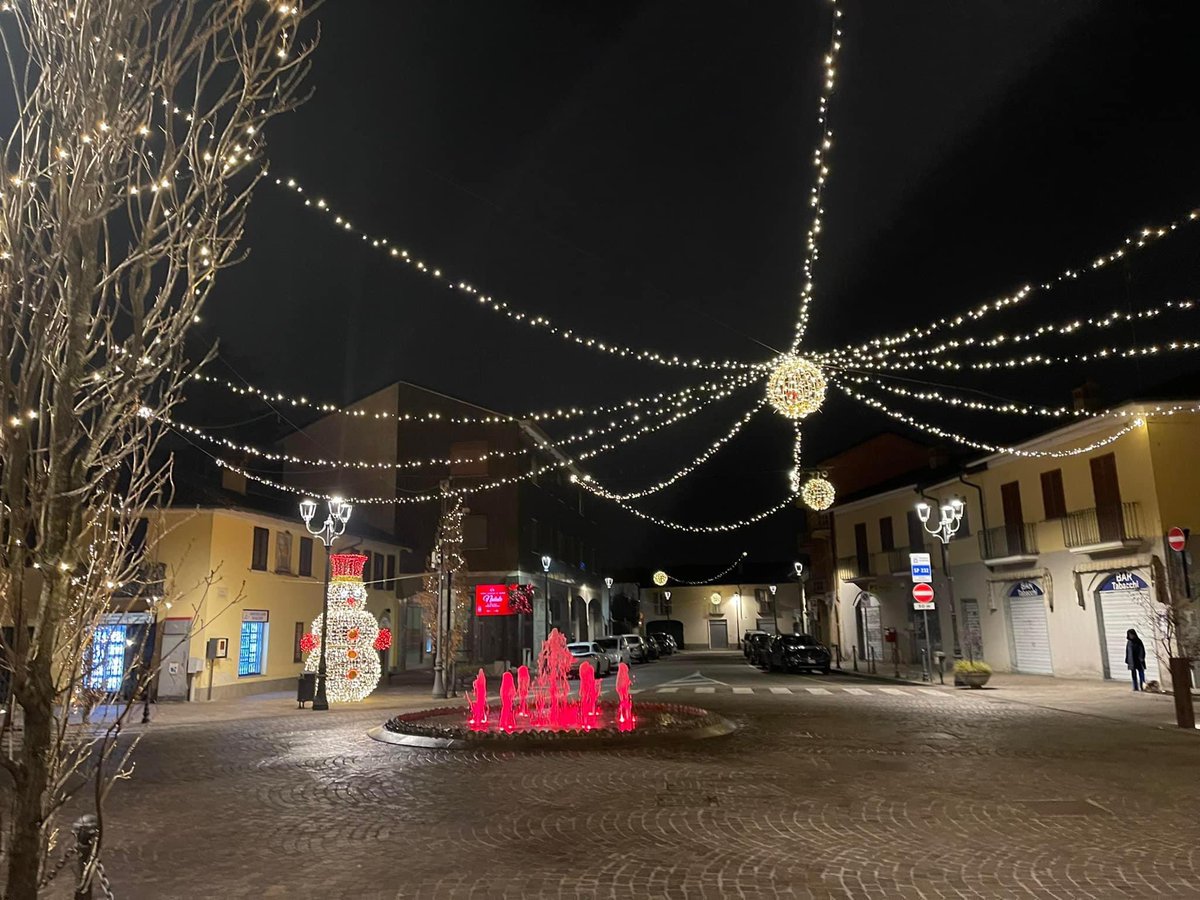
(1028, 632)
(1123, 601)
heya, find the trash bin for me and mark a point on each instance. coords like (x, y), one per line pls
(306, 688)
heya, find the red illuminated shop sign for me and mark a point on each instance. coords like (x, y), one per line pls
(493, 600)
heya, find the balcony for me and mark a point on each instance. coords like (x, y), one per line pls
(1009, 545)
(146, 584)
(852, 569)
(894, 562)
(1104, 530)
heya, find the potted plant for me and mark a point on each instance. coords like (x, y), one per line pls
(972, 673)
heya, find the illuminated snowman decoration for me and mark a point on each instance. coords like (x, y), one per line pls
(351, 654)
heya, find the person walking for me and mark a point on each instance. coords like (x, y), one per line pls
(1135, 658)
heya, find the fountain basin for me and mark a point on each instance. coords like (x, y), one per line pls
(444, 729)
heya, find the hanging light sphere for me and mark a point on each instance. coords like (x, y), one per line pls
(817, 493)
(796, 387)
(660, 578)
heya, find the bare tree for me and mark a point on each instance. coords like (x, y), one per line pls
(137, 139)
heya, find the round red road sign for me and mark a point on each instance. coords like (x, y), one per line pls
(1177, 539)
(922, 593)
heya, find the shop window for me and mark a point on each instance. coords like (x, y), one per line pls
(258, 558)
(306, 551)
(106, 671)
(252, 651)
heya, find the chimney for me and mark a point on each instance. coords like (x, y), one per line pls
(1086, 397)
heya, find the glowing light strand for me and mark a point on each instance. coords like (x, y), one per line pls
(701, 529)
(712, 578)
(502, 307)
(812, 248)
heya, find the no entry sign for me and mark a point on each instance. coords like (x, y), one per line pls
(922, 596)
(1177, 539)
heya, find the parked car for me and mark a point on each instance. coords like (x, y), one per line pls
(798, 653)
(746, 641)
(589, 651)
(756, 647)
(637, 648)
(616, 648)
(671, 642)
(662, 643)
(651, 648)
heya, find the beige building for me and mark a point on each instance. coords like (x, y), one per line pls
(715, 616)
(1055, 558)
(254, 581)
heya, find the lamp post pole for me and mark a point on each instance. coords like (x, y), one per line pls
(546, 561)
(330, 530)
(798, 571)
(949, 521)
(608, 583)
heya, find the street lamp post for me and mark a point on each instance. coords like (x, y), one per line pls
(798, 571)
(737, 608)
(546, 560)
(608, 583)
(332, 528)
(949, 521)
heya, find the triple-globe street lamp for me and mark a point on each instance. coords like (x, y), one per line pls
(949, 521)
(332, 528)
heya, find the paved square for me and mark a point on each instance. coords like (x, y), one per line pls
(842, 790)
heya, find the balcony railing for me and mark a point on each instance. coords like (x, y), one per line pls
(1008, 541)
(1104, 525)
(850, 568)
(894, 562)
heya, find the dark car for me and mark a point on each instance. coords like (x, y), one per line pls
(757, 643)
(798, 653)
(671, 642)
(651, 647)
(662, 643)
(747, 643)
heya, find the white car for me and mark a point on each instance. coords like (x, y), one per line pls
(616, 649)
(587, 651)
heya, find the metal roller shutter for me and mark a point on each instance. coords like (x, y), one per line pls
(1030, 636)
(1120, 611)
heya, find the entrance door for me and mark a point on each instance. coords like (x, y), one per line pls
(1108, 497)
(870, 631)
(1030, 636)
(1014, 517)
(172, 677)
(718, 634)
(1123, 604)
(972, 629)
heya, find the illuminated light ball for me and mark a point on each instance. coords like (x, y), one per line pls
(817, 493)
(351, 674)
(715, 599)
(352, 634)
(660, 578)
(352, 654)
(796, 387)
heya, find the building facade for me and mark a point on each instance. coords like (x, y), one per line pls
(716, 616)
(1056, 557)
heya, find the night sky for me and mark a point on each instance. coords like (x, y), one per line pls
(640, 172)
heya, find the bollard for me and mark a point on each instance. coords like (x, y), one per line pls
(86, 830)
(1181, 688)
(871, 660)
(854, 653)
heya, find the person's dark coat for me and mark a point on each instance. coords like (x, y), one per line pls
(1135, 651)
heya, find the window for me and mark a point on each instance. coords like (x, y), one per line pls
(106, 671)
(861, 554)
(390, 582)
(252, 652)
(887, 537)
(1054, 499)
(306, 549)
(262, 538)
(297, 653)
(283, 552)
(475, 532)
(762, 598)
(662, 604)
(533, 536)
(916, 531)
(377, 573)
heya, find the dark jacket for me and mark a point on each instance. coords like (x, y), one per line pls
(1135, 654)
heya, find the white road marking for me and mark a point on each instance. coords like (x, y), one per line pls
(932, 692)
(892, 690)
(706, 690)
(743, 690)
(667, 690)
(781, 690)
(817, 690)
(854, 690)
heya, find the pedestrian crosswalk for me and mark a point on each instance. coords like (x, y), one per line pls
(833, 689)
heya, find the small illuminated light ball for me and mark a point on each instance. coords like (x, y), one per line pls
(715, 599)
(660, 578)
(817, 493)
(796, 387)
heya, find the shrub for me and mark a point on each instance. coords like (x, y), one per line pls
(964, 666)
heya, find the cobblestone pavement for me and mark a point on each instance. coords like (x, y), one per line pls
(907, 793)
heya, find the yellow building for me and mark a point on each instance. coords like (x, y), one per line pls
(254, 581)
(715, 616)
(1054, 560)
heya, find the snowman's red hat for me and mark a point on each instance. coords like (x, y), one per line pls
(347, 566)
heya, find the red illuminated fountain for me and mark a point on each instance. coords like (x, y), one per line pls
(556, 718)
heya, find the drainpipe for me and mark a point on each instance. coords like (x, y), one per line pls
(982, 507)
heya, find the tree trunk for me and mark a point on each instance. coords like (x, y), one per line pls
(24, 867)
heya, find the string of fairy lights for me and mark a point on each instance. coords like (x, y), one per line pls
(662, 578)
(794, 383)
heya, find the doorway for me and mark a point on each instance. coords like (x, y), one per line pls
(718, 634)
